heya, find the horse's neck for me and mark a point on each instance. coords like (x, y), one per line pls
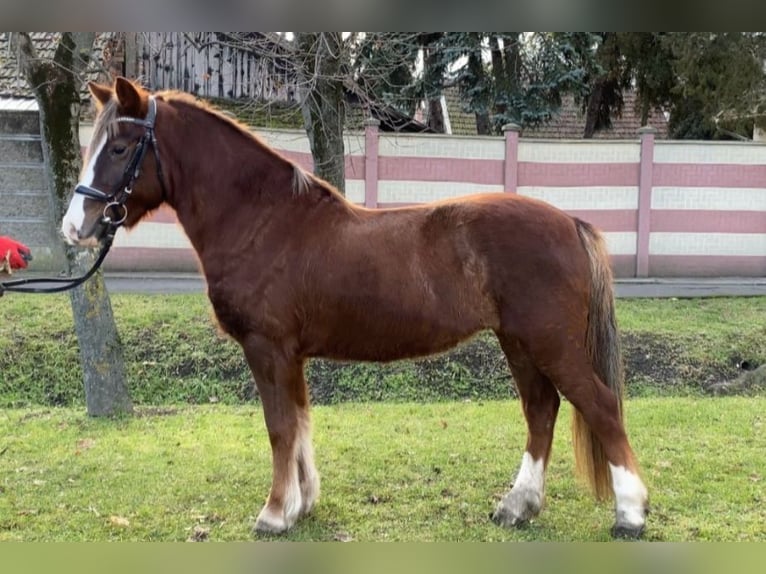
(231, 193)
(219, 178)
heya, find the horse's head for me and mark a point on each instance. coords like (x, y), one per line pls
(121, 179)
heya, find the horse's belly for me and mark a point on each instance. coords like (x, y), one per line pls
(380, 337)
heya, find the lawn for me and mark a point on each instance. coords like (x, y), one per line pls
(406, 472)
(410, 451)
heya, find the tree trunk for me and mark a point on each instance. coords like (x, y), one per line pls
(323, 106)
(513, 60)
(498, 65)
(483, 123)
(592, 110)
(56, 85)
(480, 98)
(436, 115)
(433, 77)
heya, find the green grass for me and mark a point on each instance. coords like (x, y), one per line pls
(708, 329)
(389, 472)
(175, 354)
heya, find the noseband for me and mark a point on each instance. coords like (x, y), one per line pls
(113, 202)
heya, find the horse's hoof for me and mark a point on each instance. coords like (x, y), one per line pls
(503, 518)
(627, 532)
(517, 508)
(261, 528)
(269, 523)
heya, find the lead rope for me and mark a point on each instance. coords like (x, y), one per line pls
(62, 284)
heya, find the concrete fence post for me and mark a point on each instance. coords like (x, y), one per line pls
(645, 175)
(371, 138)
(511, 172)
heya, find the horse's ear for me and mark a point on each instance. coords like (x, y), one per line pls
(131, 98)
(102, 94)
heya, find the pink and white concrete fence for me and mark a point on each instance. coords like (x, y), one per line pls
(667, 208)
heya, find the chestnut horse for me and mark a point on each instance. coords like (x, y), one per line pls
(296, 271)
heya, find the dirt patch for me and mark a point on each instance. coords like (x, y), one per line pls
(661, 363)
(748, 383)
(654, 365)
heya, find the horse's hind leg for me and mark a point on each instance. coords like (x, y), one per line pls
(284, 396)
(605, 440)
(540, 402)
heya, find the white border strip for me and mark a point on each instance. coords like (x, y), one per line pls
(151, 234)
(667, 243)
(621, 242)
(594, 197)
(710, 198)
(457, 147)
(579, 151)
(355, 190)
(738, 153)
(426, 191)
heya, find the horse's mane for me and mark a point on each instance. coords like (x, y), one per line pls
(303, 181)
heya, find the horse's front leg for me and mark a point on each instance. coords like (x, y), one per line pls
(282, 388)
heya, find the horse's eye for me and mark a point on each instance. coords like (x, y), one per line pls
(119, 149)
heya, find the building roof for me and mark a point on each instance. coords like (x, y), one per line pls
(568, 123)
(13, 84)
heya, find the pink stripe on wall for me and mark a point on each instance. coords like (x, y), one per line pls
(703, 221)
(302, 159)
(623, 265)
(354, 164)
(577, 174)
(164, 214)
(151, 259)
(481, 171)
(709, 175)
(706, 266)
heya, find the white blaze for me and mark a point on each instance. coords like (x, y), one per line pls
(74, 218)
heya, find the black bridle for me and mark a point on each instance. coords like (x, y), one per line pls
(115, 211)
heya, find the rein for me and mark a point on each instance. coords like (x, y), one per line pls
(113, 201)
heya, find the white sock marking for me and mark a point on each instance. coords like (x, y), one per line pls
(305, 453)
(293, 498)
(531, 475)
(630, 496)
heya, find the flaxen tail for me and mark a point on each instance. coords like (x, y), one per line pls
(603, 346)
